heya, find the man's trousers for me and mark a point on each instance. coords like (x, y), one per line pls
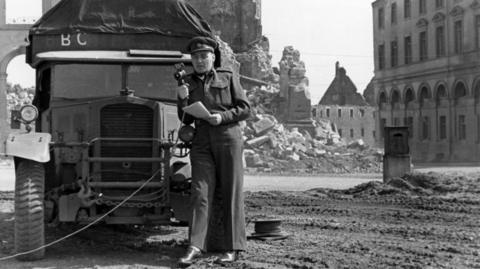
(216, 158)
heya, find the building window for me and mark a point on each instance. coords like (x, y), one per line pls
(425, 128)
(328, 112)
(381, 18)
(477, 31)
(381, 56)
(462, 128)
(321, 113)
(409, 124)
(351, 133)
(340, 132)
(422, 7)
(393, 14)
(339, 113)
(423, 45)
(394, 53)
(374, 134)
(458, 36)
(438, 3)
(383, 123)
(408, 49)
(407, 6)
(362, 132)
(362, 113)
(440, 41)
(442, 122)
(351, 113)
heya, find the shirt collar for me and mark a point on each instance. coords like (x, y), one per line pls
(211, 73)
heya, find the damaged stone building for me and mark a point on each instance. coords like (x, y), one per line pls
(346, 109)
(237, 22)
(427, 75)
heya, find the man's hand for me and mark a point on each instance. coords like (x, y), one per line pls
(215, 119)
(182, 91)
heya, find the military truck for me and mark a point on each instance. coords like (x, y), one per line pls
(101, 138)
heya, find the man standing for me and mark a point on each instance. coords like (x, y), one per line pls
(216, 154)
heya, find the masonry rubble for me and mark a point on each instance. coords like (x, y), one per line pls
(272, 147)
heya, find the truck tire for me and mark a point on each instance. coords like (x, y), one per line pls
(29, 210)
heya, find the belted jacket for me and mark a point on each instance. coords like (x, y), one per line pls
(220, 92)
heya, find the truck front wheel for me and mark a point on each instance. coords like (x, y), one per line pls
(29, 209)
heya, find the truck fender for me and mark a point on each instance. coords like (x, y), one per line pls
(32, 146)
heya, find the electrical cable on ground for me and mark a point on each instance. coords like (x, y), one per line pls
(87, 226)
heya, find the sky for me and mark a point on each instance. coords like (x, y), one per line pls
(324, 31)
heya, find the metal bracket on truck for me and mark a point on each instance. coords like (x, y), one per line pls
(32, 146)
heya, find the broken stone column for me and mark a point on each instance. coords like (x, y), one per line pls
(294, 90)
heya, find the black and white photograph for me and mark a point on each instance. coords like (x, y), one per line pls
(239, 134)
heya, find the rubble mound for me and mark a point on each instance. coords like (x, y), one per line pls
(270, 147)
(421, 184)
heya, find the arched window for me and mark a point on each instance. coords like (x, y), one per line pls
(476, 92)
(424, 94)
(395, 97)
(409, 96)
(460, 90)
(441, 92)
(382, 100)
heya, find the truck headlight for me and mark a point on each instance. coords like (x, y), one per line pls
(28, 113)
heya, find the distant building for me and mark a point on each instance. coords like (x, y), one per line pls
(347, 109)
(427, 75)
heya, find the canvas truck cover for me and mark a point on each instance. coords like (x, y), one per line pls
(77, 25)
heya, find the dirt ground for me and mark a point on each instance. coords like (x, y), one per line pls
(419, 221)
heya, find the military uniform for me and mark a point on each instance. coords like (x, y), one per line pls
(216, 156)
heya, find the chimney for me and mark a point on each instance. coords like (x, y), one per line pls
(337, 66)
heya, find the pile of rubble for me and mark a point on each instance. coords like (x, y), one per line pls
(270, 147)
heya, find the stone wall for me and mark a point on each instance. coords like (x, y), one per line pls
(256, 63)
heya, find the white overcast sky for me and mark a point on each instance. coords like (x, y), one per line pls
(324, 31)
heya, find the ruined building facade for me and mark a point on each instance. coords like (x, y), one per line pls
(346, 109)
(237, 22)
(427, 75)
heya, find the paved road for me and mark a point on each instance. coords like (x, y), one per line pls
(256, 183)
(284, 183)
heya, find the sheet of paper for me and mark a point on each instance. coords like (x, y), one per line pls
(197, 110)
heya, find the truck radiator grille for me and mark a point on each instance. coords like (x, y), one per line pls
(126, 121)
